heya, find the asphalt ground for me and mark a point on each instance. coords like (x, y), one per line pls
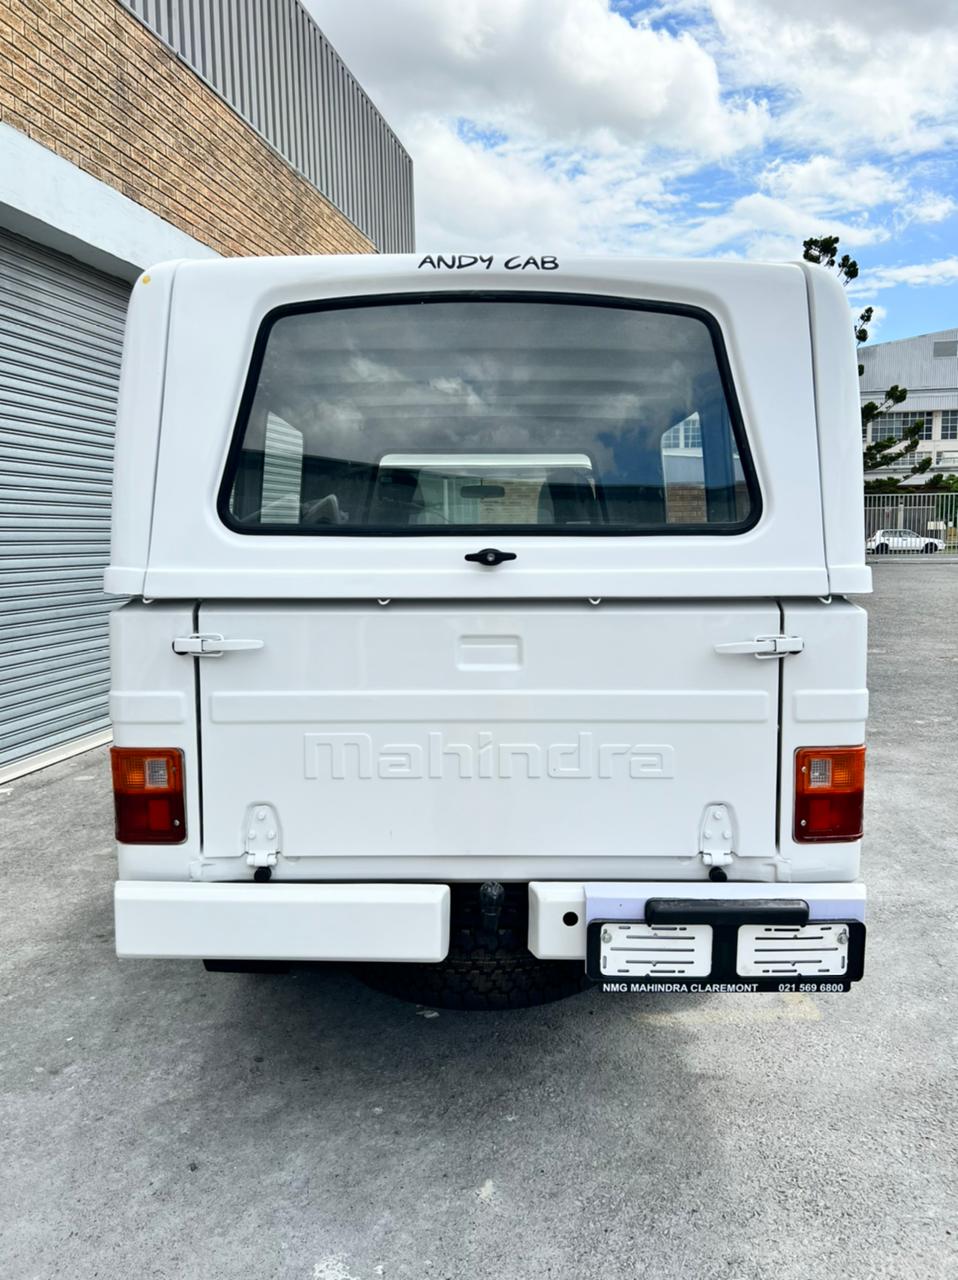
(157, 1121)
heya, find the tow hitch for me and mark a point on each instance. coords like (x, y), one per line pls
(492, 896)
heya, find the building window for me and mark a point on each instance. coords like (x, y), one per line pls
(908, 461)
(897, 425)
(686, 434)
(887, 427)
(945, 348)
(949, 424)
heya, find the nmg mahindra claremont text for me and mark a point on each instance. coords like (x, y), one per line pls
(489, 624)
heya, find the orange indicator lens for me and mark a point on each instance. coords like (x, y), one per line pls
(829, 793)
(148, 795)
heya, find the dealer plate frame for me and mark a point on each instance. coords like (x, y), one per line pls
(723, 976)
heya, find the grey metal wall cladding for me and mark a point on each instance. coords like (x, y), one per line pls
(925, 363)
(278, 71)
(61, 330)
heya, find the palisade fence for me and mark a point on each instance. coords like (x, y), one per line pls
(911, 523)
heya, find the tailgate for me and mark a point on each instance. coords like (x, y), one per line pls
(466, 741)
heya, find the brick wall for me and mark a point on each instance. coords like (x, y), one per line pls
(686, 503)
(87, 80)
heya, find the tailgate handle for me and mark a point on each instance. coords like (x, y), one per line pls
(490, 556)
(210, 645)
(764, 646)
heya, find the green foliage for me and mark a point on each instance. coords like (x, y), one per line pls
(942, 484)
(884, 452)
(934, 484)
(823, 250)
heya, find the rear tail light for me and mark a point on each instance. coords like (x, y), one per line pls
(148, 795)
(829, 793)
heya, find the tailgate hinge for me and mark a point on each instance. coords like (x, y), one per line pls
(208, 644)
(262, 835)
(764, 646)
(717, 834)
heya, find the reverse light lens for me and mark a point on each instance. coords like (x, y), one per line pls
(829, 793)
(148, 795)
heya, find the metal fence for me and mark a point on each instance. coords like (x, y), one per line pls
(910, 524)
(277, 70)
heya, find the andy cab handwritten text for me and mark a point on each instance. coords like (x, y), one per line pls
(484, 261)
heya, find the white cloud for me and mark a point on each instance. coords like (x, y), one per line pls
(822, 184)
(881, 75)
(944, 271)
(767, 227)
(570, 70)
(929, 206)
(561, 125)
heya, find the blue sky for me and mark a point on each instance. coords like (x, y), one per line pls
(691, 128)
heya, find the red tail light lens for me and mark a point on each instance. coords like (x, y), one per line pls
(829, 793)
(148, 795)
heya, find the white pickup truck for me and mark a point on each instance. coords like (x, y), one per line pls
(488, 624)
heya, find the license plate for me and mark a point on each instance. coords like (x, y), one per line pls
(807, 951)
(629, 950)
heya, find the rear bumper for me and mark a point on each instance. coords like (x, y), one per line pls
(704, 937)
(403, 922)
(176, 920)
(561, 910)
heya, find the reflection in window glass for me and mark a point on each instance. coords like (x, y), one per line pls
(451, 415)
(282, 472)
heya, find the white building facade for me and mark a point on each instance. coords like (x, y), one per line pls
(928, 367)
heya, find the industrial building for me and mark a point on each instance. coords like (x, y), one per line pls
(133, 131)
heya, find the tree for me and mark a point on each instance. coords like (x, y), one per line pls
(884, 451)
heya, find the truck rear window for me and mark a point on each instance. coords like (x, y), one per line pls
(448, 414)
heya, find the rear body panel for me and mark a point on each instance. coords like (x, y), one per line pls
(555, 732)
(413, 741)
(824, 704)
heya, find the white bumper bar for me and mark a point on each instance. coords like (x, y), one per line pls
(167, 920)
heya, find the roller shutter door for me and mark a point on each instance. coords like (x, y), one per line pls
(61, 330)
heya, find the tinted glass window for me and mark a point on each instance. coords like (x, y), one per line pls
(433, 416)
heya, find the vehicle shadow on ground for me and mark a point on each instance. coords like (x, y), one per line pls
(449, 1079)
(357, 1123)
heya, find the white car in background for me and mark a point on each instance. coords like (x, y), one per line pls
(883, 541)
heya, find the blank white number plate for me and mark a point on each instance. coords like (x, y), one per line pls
(772, 951)
(660, 951)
